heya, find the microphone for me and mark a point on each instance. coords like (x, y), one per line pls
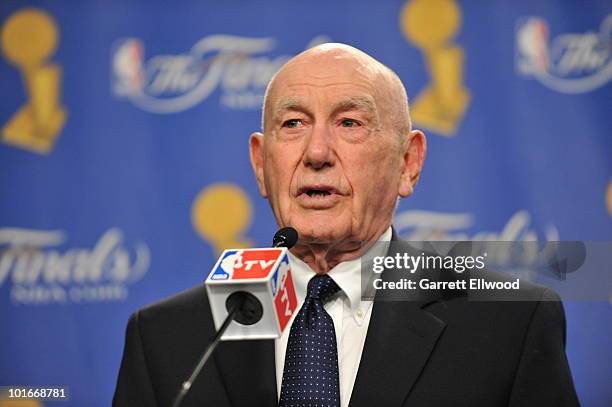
(258, 279)
(285, 237)
(251, 296)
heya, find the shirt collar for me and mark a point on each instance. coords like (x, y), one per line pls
(346, 274)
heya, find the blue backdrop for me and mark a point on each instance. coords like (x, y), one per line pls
(124, 163)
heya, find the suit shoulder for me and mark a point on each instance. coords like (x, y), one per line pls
(187, 298)
(187, 307)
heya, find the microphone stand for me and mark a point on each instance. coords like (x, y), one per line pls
(205, 356)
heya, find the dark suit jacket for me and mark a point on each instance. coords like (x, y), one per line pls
(439, 350)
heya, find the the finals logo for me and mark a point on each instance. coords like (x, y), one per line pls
(240, 67)
(39, 268)
(569, 62)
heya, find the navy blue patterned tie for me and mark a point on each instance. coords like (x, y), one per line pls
(310, 376)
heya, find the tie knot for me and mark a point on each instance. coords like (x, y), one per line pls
(322, 287)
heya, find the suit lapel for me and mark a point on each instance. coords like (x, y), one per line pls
(401, 337)
(248, 371)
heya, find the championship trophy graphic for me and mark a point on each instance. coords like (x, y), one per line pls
(29, 39)
(431, 26)
(220, 214)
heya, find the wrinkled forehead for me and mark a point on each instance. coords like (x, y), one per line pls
(302, 77)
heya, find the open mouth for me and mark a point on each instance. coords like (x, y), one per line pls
(318, 196)
(317, 190)
(316, 193)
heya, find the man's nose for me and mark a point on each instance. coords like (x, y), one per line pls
(319, 151)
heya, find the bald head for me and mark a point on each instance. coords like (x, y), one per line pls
(333, 60)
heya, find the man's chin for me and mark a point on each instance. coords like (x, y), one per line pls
(321, 232)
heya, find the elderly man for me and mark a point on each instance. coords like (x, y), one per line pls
(337, 150)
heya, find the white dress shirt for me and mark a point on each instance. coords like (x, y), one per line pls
(350, 314)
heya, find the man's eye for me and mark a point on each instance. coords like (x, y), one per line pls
(349, 123)
(292, 123)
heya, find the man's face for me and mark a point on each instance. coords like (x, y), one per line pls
(330, 161)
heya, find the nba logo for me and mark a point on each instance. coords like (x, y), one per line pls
(532, 46)
(225, 267)
(129, 75)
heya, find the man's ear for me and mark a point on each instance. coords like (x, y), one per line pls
(414, 157)
(256, 152)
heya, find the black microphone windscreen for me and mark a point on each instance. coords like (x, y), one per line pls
(285, 237)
